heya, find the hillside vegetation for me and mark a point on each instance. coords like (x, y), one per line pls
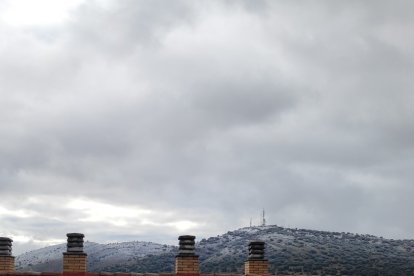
(288, 250)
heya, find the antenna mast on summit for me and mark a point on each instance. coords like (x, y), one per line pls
(263, 218)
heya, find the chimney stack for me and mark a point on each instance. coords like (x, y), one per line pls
(186, 262)
(74, 259)
(256, 264)
(6, 258)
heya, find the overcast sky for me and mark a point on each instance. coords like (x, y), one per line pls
(145, 120)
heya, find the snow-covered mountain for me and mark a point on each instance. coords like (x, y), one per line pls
(288, 250)
(99, 255)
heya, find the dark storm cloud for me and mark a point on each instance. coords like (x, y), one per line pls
(186, 112)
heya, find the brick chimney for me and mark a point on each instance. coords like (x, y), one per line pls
(74, 259)
(6, 259)
(256, 264)
(186, 262)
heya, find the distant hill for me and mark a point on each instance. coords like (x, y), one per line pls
(288, 250)
(100, 256)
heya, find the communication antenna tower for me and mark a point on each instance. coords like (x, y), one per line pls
(263, 218)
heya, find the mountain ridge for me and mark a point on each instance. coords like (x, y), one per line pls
(288, 250)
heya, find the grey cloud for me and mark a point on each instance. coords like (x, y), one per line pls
(210, 111)
(236, 103)
(127, 26)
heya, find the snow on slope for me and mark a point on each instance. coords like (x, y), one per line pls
(97, 253)
(40, 255)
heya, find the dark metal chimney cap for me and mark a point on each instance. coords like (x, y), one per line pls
(75, 235)
(257, 242)
(186, 237)
(5, 239)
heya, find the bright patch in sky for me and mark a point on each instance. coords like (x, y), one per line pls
(101, 212)
(23, 239)
(15, 213)
(39, 12)
(183, 225)
(122, 216)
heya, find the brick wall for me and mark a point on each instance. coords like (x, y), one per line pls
(74, 262)
(256, 267)
(186, 264)
(6, 263)
(31, 273)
